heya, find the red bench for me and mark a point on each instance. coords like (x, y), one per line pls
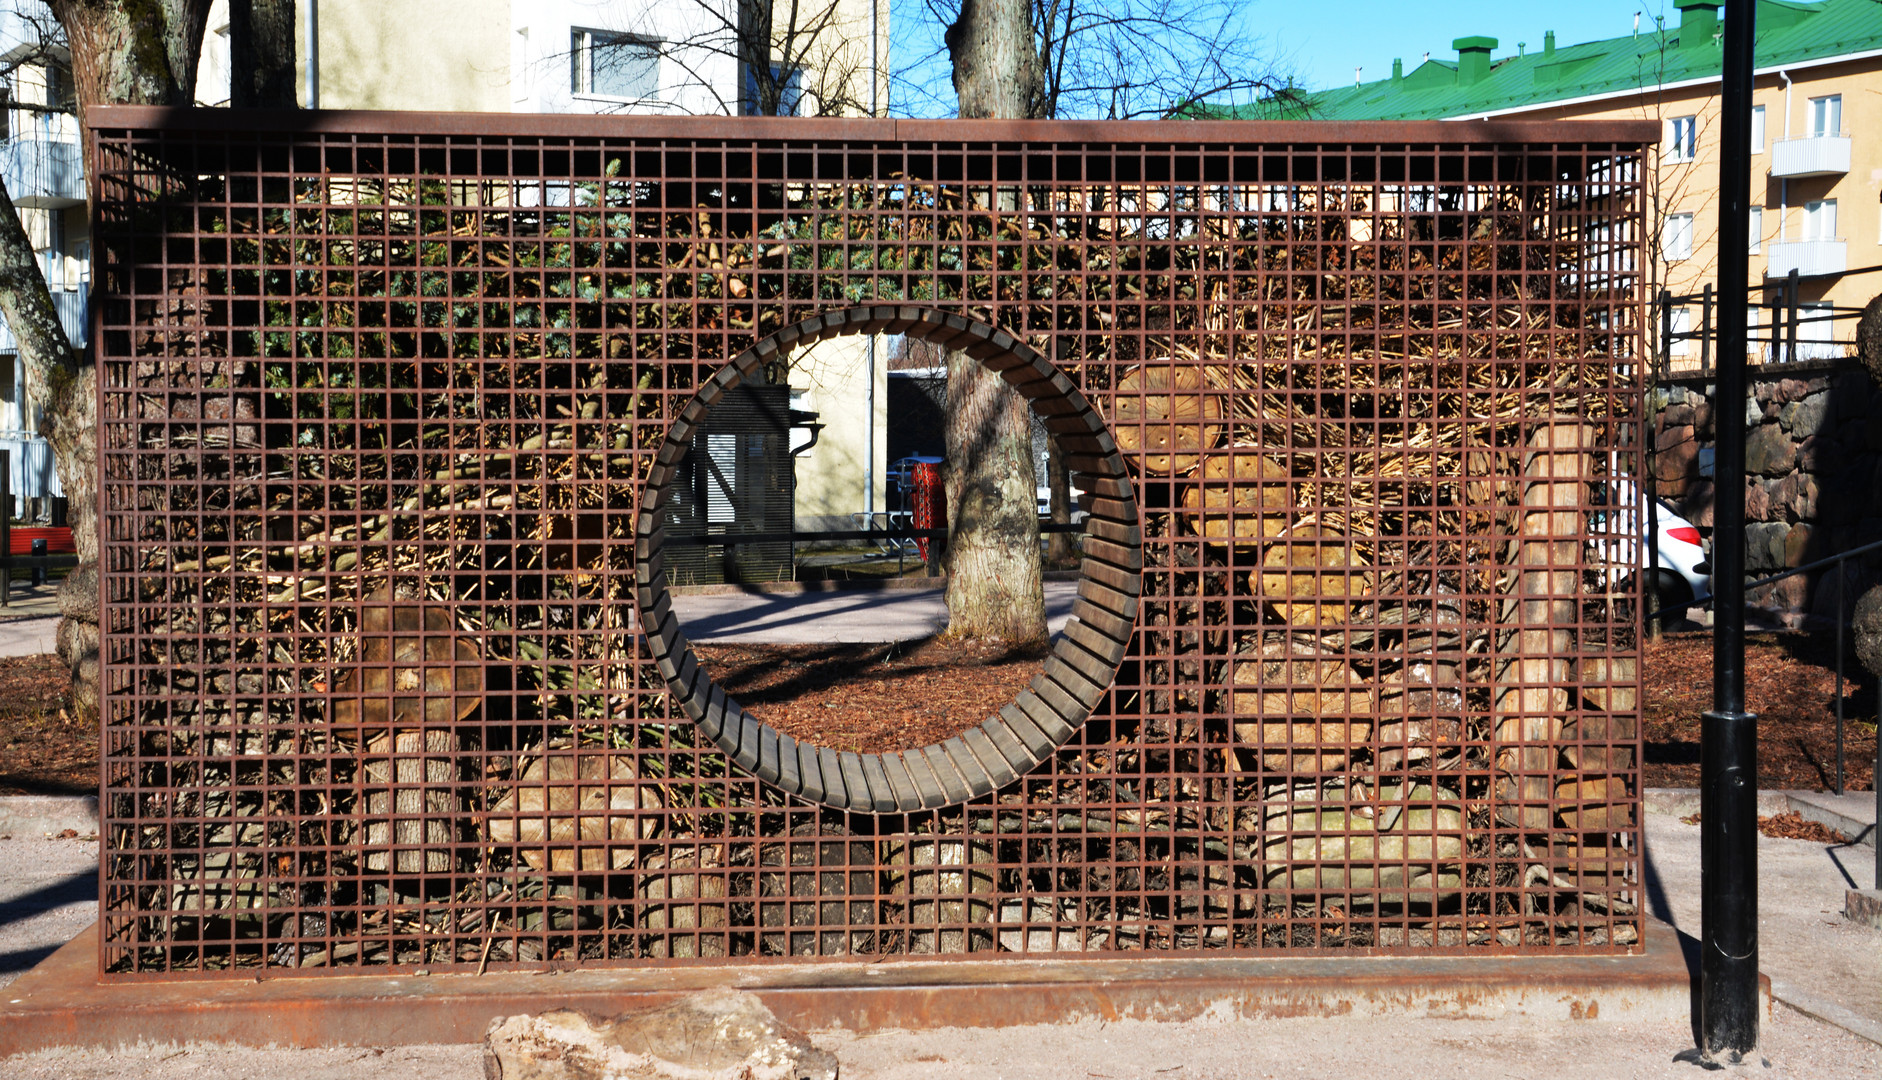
(58, 541)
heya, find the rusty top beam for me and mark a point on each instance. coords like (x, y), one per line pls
(864, 129)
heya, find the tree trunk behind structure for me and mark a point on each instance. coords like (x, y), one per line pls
(1061, 549)
(993, 543)
(261, 54)
(996, 64)
(993, 587)
(134, 52)
(124, 52)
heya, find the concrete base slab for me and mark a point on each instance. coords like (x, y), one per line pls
(1864, 906)
(62, 1002)
(1684, 802)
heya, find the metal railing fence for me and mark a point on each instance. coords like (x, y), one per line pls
(1791, 330)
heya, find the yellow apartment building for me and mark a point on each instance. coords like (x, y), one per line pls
(1816, 175)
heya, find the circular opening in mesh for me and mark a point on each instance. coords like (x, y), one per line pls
(1024, 732)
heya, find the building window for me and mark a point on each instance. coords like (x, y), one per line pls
(790, 87)
(1682, 138)
(61, 92)
(722, 475)
(1676, 238)
(53, 258)
(1757, 228)
(1826, 116)
(1820, 220)
(608, 64)
(1816, 336)
(1757, 129)
(1679, 334)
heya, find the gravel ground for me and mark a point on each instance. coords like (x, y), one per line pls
(1807, 947)
(48, 893)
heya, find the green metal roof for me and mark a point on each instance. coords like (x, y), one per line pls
(1788, 33)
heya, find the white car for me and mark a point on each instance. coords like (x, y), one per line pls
(1681, 573)
(1045, 501)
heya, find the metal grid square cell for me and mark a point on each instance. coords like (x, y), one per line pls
(391, 680)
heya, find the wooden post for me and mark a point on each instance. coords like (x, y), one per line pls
(1531, 696)
(416, 682)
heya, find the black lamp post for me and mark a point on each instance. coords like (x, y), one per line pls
(1728, 965)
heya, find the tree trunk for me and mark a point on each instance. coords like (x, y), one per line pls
(27, 305)
(996, 66)
(130, 52)
(993, 587)
(1532, 673)
(261, 54)
(1060, 550)
(134, 52)
(993, 541)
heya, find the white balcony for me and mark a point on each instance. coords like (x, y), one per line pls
(44, 171)
(71, 307)
(1809, 258)
(1826, 155)
(30, 466)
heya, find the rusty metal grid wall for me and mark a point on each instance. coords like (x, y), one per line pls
(381, 396)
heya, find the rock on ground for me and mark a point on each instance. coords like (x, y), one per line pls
(716, 1035)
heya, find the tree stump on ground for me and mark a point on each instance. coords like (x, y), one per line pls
(1867, 628)
(1869, 338)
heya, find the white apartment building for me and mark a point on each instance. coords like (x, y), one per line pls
(42, 162)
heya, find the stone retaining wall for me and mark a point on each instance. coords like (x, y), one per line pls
(1813, 464)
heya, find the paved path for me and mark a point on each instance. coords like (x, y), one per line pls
(48, 894)
(30, 619)
(845, 615)
(858, 615)
(1818, 961)
(30, 636)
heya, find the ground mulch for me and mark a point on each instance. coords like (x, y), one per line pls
(1790, 825)
(1794, 826)
(1790, 682)
(44, 750)
(874, 698)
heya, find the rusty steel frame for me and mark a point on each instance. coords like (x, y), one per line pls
(389, 405)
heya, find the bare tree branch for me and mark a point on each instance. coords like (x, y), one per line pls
(1117, 59)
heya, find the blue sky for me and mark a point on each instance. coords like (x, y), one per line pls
(1319, 42)
(1323, 41)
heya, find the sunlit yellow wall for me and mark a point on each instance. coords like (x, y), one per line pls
(839, 57)
(834, 376)
(432, 55)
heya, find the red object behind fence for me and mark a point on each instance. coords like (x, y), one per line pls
(58, 540)
(931, 501)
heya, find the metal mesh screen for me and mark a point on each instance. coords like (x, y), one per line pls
(380, 395)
